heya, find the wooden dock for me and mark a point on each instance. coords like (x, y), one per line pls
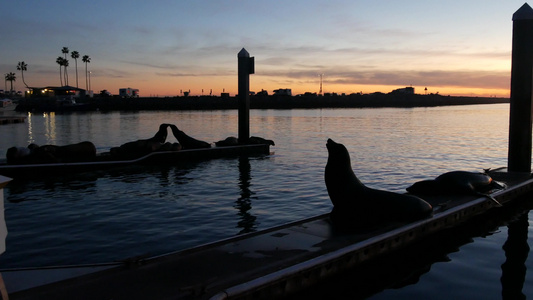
(263, 265)
(11, 120)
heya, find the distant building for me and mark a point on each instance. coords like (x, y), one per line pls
(404, 91)
(262, 93)
(128, 93)
(283, 92)
(55, 91)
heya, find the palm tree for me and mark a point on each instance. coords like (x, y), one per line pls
(22, 66)
(86, 59)
(75, 55)
(65, 51)
(59, 61)
(65, 65)
(11, 77)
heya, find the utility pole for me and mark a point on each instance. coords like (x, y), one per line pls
(320, 92)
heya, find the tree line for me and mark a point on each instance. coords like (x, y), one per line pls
(63, 72)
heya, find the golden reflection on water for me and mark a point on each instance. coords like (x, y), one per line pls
(50, 126)
(30, 128)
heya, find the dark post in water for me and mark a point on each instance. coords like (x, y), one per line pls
(520, 122)
(245, 68)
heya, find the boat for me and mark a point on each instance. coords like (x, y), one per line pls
(7, 105)
(105, 161)
(267, 264)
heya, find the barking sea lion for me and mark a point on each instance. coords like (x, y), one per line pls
(141, 147)
(186, 141)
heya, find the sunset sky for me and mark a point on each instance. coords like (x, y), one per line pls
(164, 47)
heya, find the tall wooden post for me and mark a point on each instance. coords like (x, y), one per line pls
(245, 68)
(3, 232)
(520, 121)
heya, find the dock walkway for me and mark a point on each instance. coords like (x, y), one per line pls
(266, 264)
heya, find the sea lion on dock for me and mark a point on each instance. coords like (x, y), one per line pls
(356, 206)
(229, 141)
(142, 147)
(457, 182)
(83, 151)
(186, 141)
(255, 140)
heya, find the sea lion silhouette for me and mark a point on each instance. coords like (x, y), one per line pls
(356, 206)
(457, 182)
(186, 141)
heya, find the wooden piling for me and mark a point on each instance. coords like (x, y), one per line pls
(245, 68)
(520, 123)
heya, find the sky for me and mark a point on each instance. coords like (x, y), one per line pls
(162, 48)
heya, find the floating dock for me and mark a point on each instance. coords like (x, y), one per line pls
(103, 163)
(263, 265)
(11, 120)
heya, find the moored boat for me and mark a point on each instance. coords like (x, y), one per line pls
(7, 105)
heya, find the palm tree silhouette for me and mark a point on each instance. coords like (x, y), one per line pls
(65, 63)
(86, 59)
(75, 55)
(11, 77)
(22, 66)
(59, 61)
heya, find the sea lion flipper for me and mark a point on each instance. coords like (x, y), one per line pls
(496, 202)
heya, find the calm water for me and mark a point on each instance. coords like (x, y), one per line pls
(101, 217)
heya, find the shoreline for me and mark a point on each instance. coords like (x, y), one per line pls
(376, 100)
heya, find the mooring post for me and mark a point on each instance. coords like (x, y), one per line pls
(520, 116)
(3, 231)
(245, 68)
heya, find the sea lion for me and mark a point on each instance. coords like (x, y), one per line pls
(15, 155)
(142, 147)
(186, 141)
(254, 140)
(83, 151)
(229, 141)
(170, 147)
(457, 182)
(356, 206)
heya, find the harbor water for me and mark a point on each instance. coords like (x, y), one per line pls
(97, 217)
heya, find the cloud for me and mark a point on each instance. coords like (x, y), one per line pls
(435, 78)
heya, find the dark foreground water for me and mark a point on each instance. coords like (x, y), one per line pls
(106, 216)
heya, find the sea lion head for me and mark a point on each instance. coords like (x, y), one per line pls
(341, 181)
(338, 154)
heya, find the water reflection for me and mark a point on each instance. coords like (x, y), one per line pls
(516, 251)
(244, 203)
